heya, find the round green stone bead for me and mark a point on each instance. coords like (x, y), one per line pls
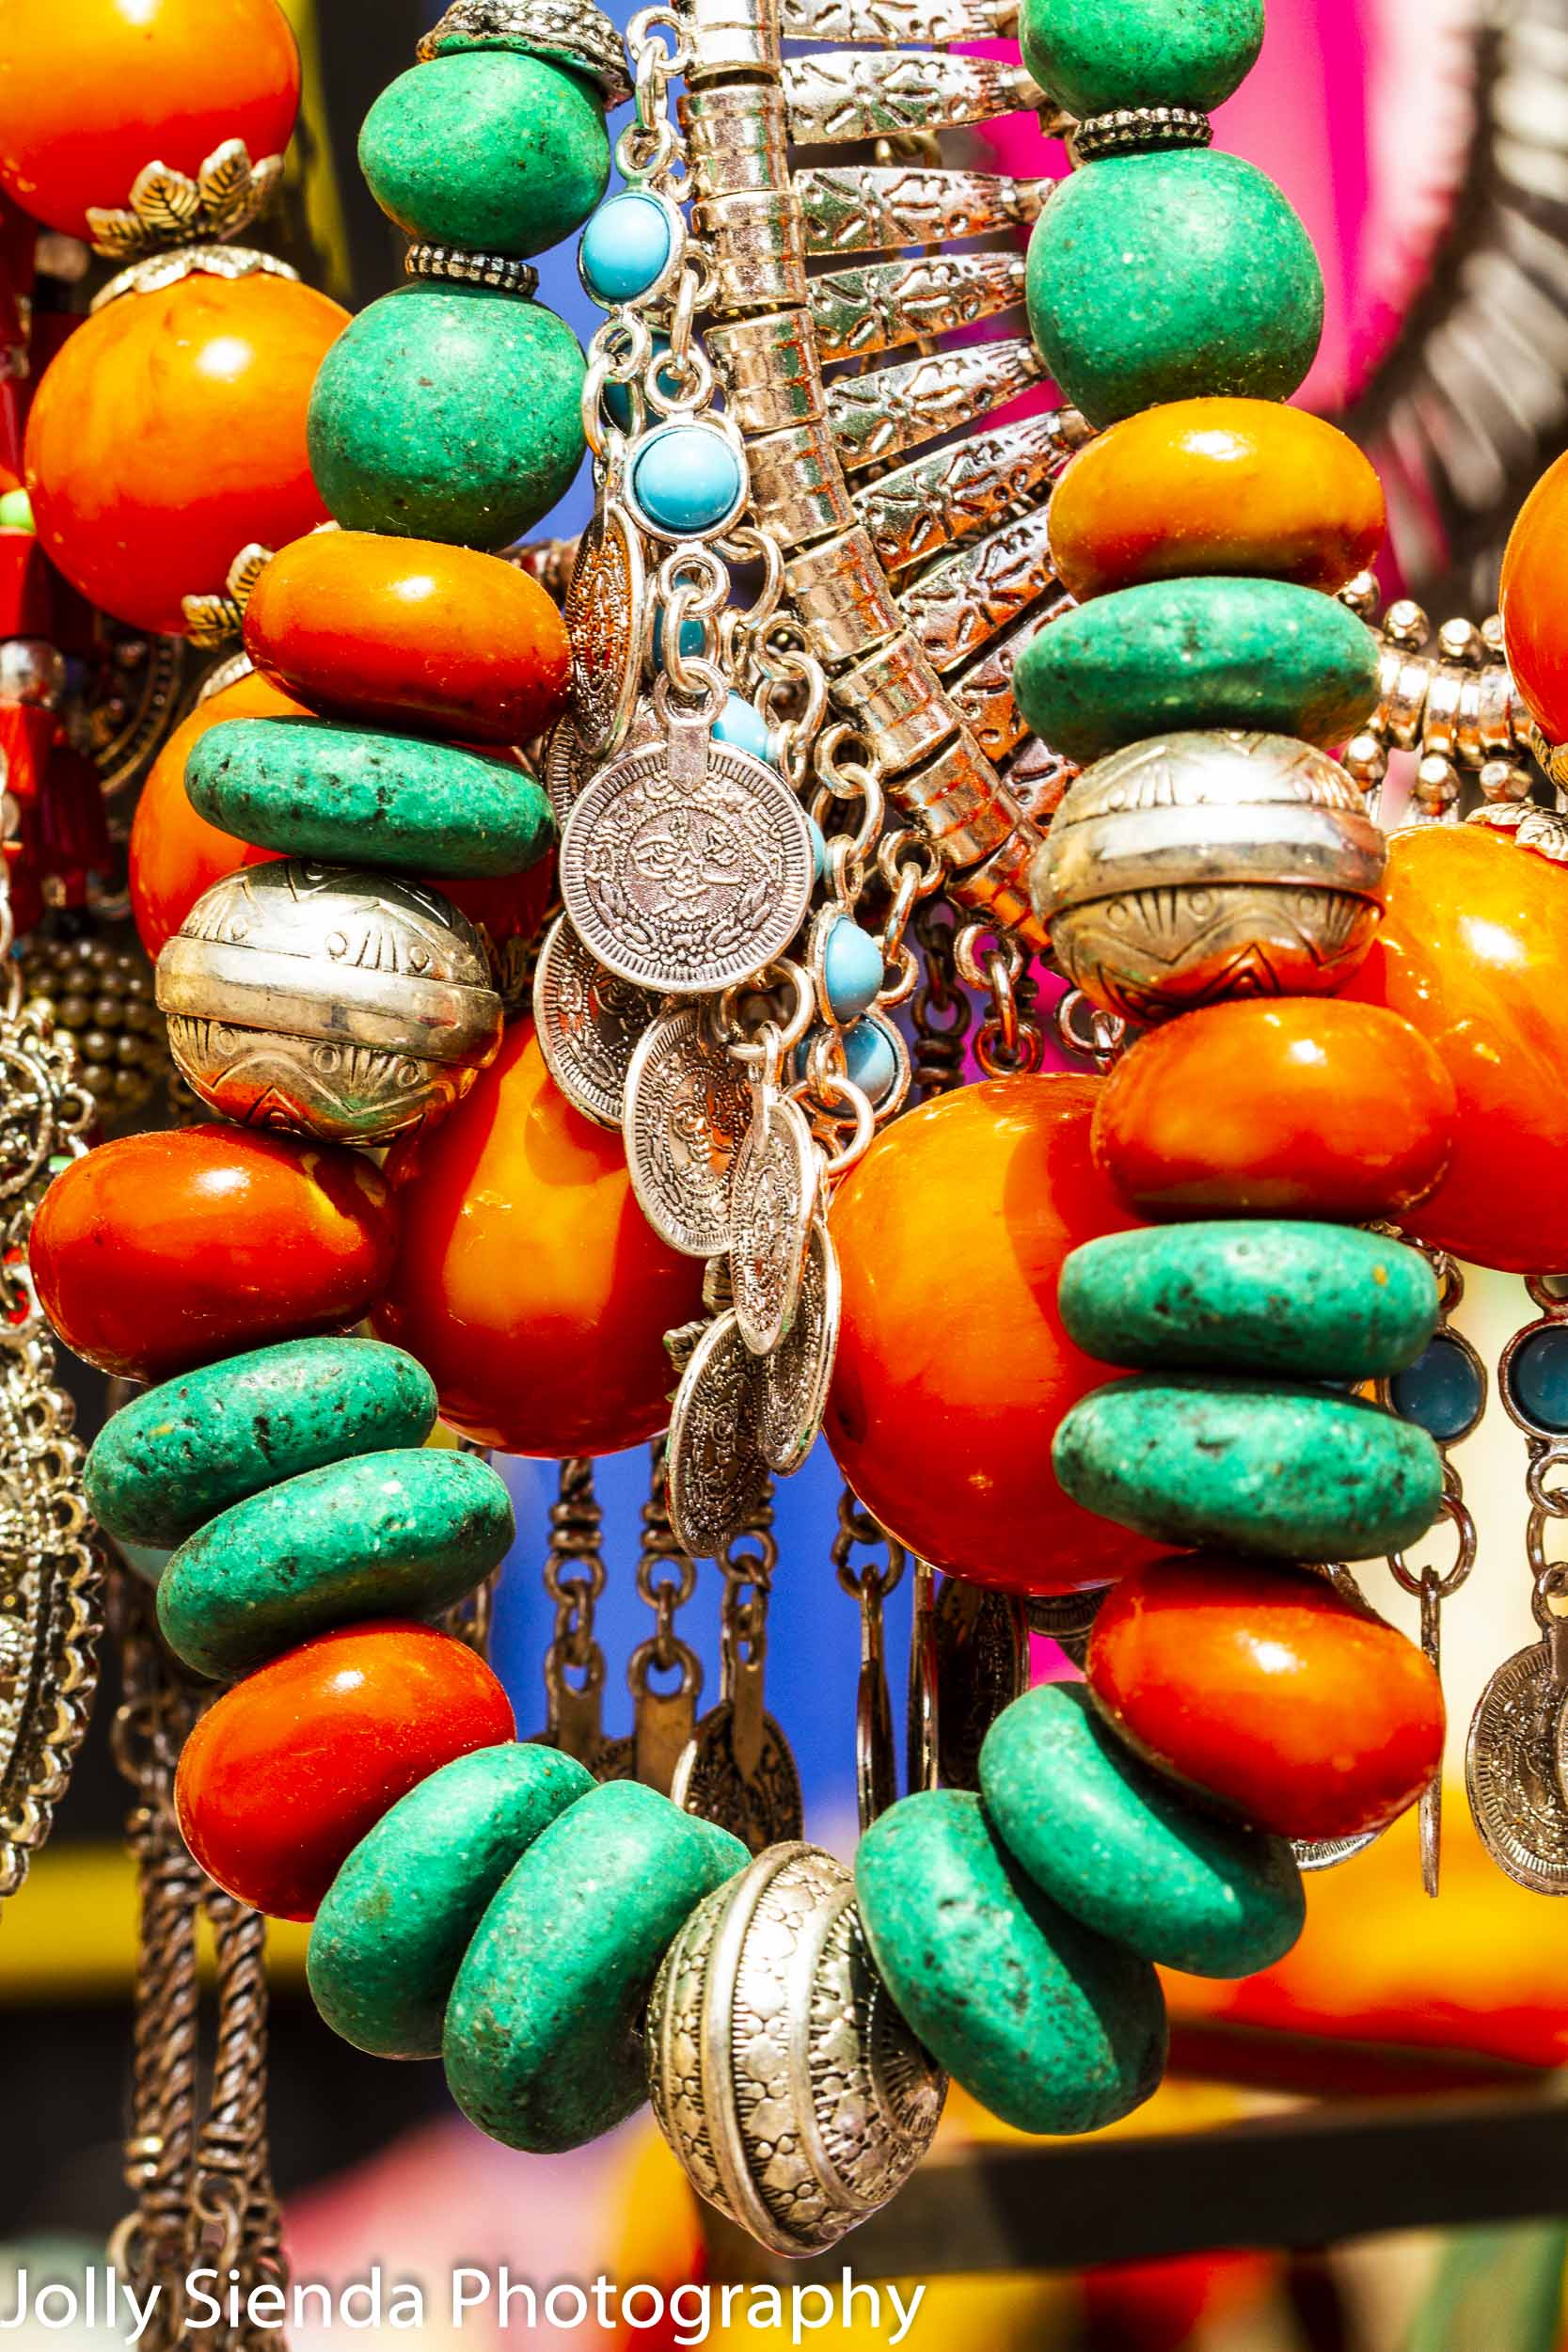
(1297, 1473)
(544, 2032)
(350, 796)
(448, 412)
(1183, 655)
(401, 1535)
(488, 150)
(1318, 1302)
(1123, 1850)
(178, 1454)
(390, 1938)
(1048, 2025)
(1093, 55)
(1169, 276)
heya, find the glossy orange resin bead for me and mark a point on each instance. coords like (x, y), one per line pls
(409, 633)
(1268, 1689)
(90, 95)
(281, 1778)
(528, 1283)
(1473, 950)
(1215, 486)
(1529, 597)
(175, 854)
(1277, 1106)
(157, 1253)
(169, 434)
(952, 1366)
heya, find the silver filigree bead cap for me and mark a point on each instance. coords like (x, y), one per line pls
(327, 1002)
(792, 2092)
(571, 33)
(1188, 868)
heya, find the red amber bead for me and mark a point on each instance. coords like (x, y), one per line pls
(528, 1283)
(89, 97)
(157, 1253)
(952, 1366)
(1529, 597)
(1473, 950)
(169, 433)
(1215, 486)
(281, 1778)
(408, 633)
(175, 854)
(1277, 1106)
(1269, 1690)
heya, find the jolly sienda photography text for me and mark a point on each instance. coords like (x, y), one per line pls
(687, 2314)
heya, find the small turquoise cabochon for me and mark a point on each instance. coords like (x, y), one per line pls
(625, 248)
(687, 481)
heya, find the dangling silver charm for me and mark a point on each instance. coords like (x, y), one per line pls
(794, 1380)
(794, 2096)
(688, 1105)
(589, 1024)
(772, 1203)
(718, 1475)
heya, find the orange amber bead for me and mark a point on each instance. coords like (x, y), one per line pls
(169, 433)
(1473, 950)
(1277, 1106)
(952, 1365)
(157, 1253)
(409, 633)
(528, 1283)
(1215, 486)
(175, 854)
(92, 94)
(1266, 1688)
(281, 1778)
(1529, 598)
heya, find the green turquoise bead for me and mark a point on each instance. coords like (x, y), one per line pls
(448, 412)
(1318, 1302)
(487, 150)
(1048, 2025)
(352, 796)
(544, 2032)
(1093, 55)
(178, 1454)
(1183, 655)
(1170, 276)
(390, 1938)
(400, 1534)
(1297, 1473)
(1123, 1850)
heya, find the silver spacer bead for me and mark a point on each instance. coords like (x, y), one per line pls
(456, 263)
(1133, 130)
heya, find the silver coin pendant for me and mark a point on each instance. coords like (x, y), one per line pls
(772, 1203)
(688, 1103)
(1511, 1770)
(718, 1479)
(794, 1380)
(590, 1023)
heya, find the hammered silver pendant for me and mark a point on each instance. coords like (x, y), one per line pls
(772, 1203)
(589, 1022)
(793, 1382)
(755, 1796)
(1513, 1762)
(688, 1103)
(686, 885)
(606, 615)
(718, 1477)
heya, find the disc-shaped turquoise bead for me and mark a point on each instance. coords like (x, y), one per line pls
(1093, 55)
(1186, 654)
(1047, 2025)
(1318, 1302)
(448, 412)
(178, 1454)
(1121, 1849)
(402, 1534)
(1169, 276)
(390, 1938)
(544, 2032)
(352, 796)
(1298, 1473)
(488, 150)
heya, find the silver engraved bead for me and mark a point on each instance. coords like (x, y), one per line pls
(794, 2096)
(572, 33)
(1188, 868)
(327, 1002)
